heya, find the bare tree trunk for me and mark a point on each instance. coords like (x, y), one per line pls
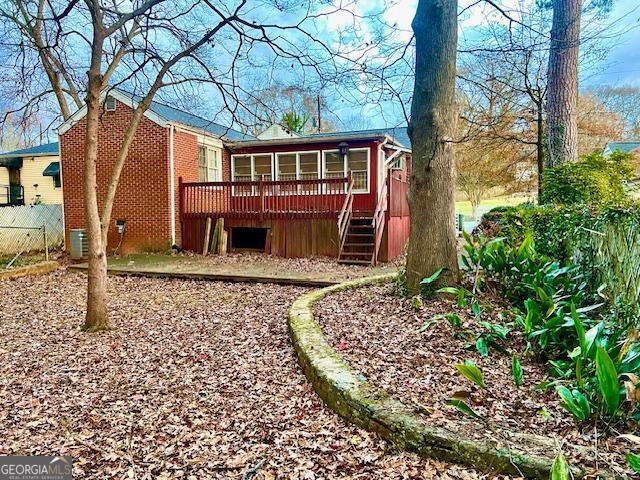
(540, 148)
(562, 90)
(96, 318)
(475, 203)
(432, 241)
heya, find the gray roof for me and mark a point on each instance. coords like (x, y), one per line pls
(46, 149)
(624, 147)
(398, 133)
(180, 116)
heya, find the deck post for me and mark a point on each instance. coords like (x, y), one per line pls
(181, 209)
(261, 189)
(389, 199)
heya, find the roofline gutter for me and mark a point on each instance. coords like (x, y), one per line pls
(25, 155)
(311, 139)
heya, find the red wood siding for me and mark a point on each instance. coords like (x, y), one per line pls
(291, 238)
(397, 229)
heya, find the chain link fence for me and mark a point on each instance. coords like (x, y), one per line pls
(30, 228)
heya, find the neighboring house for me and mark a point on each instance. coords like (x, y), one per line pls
(624, 147)
(31, 176)
(276, 131)
(283, 194)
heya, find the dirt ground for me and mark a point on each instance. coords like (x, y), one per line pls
(196, 380)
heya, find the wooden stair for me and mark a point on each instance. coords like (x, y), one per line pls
(359, 243)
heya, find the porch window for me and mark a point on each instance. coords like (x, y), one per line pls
(334, 166)
(287, 166)
(308, 168)
(209, 164)
(245, 168)
(262, 167)
(356, 161)
(287, 170)
(242, 168)
(358, 164)
(298, 166)
(308, 165)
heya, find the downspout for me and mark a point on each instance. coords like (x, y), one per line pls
(172, 186)
(381, 170)
(64, 225)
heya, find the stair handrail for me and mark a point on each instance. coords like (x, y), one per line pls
(378, 220)
(345, 213)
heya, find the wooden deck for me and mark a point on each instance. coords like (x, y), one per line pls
(301, 218)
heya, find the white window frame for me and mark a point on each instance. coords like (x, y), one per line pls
(344, 167)
(209, 156)
(297, 154)
(253, 166)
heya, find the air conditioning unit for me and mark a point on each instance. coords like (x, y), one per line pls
(79, 243)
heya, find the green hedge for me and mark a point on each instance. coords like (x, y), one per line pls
(593, 180)
(604, 243)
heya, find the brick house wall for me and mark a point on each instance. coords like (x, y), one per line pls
(141, 198)
(185, 166)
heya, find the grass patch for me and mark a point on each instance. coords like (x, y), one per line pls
(22, 261)
(464, 207)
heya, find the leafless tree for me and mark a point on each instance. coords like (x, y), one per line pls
(509, 61)
(267, 101)
(597, 124)
(506, 66)
(624, 101)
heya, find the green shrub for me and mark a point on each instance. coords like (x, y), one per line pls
(552, 227)
(603, 243)
(589, 351)
(593, 180)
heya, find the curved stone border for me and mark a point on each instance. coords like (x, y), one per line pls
(35, 269)
(371, 408)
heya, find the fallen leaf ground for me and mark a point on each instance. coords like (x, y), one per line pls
(196, 380)
(377, 332)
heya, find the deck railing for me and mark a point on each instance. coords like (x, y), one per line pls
(344, 218)
(264, 199)
(379, 218)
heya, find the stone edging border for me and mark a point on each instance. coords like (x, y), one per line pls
(371, 408)
(35, 269)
